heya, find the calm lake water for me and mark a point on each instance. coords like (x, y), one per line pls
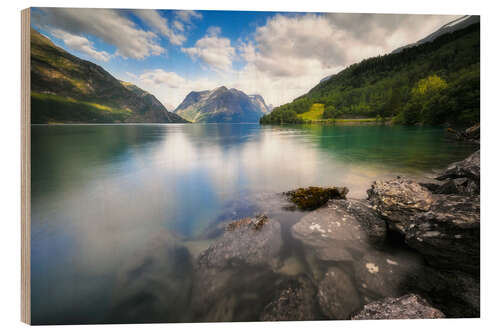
(104, 196)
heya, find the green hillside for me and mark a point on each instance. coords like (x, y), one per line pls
(433, 83)
(65, 88)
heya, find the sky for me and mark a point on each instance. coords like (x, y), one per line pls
(278, 55)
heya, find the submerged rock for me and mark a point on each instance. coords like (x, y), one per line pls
(340, 228)
(295, 300)
(249, 241)
(314, 197)
(337, 296)
(155, 284)
(409, 306)
(380, 274)
(240, 263)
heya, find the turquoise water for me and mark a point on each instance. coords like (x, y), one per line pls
(103, 194)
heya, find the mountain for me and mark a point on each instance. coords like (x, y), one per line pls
(65, 88)
(435, 82)
(221, 105)
(258, 100)
(460, 23)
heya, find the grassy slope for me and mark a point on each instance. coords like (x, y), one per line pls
(315, 112)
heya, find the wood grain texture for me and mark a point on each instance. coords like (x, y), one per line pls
(25, 168)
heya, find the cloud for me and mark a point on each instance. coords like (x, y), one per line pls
(178, 25)
(214, 51)
(106, 24)
(161, 77)
(160, 24)
(171, 88)
(81, 44)
(289, 54)
(186, 15)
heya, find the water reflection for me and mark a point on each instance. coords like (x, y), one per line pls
(111, 204)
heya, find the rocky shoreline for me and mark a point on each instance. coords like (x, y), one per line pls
(409, 250)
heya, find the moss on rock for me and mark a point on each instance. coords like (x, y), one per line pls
(314, 197)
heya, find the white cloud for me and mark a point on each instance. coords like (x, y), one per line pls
(186, 15)
(214, 51)
(290, 54)
(178, 25)
(81, 44)
(106, 24)
(160, 24)
(171, 88)
(161, 77)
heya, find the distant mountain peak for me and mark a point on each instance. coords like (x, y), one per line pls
(222, 105)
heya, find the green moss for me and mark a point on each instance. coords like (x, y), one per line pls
(314, 197)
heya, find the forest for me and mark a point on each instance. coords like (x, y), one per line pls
(436, 83)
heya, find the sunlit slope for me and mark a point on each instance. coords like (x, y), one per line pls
(66, 88)
(315, 112)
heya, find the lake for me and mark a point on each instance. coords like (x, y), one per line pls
(105, 198)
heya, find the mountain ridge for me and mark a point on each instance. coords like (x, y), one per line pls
(222, 105)
(66, 88)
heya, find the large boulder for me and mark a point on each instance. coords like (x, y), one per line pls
(337, 296)
(462, 177)
(448, 234)
(294, 300)
(409, 306)
(444, 228)
(237, 271)
(456, 293)
(399, 199)
(381, 274)
(339, 229)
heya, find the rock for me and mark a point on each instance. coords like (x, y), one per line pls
(472, 134)
(295, 300)
(340, 228)
(399, 199)
(249, 241)
(462, 177)
(444, 228)
(314, 197)
(337, 296)
(374, 227)
(380, 274)
(456, 293)
(240, 263)
(467, 168)
(154, 285)
(409, 306)
(448, 233)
